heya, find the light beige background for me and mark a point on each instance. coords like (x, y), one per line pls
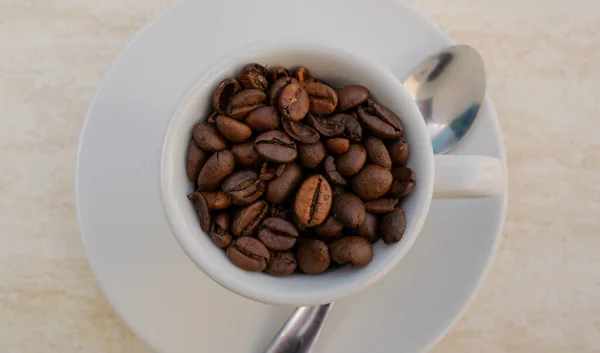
(543, 59)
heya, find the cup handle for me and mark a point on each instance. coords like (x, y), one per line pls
(458, 176)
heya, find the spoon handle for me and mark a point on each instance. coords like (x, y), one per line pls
(300, 332)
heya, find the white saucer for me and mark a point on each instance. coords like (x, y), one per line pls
(159, 293)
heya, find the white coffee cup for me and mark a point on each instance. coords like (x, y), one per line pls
(437, 176)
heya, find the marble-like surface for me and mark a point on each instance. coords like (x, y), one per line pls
(543, 60)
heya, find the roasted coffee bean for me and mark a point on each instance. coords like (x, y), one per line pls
(246, 220)
(233, 130)
(377, 153)
(293, 102)
(244, 102)
(326, 127)
(248, 254)
(202, 210)
(303, 75)
(313, 256)
(215, 170)
(352, 161)
(223, 94)
(369, 229)
(244, 187)
(208, 138)
(281, 263)
(337, 145)
(270, 170)
(263, 119)
(276, 146)
(299, 131)
(355, 250)
(399, 151)
(330, 229)
(372, 182)
(349, 210)
(219, 231)
(379, 120)
(312, 154)
(254, 76)
(283, 188)
(323, 99)
(282, 212)
(313, 201)
(352, 129)
(217, 200)
(392, 226)
(195, 160)
(245, 154)
(332, 174)
(279, 73)
(278, 234)
(351, 96)
(275, 90)
(403, 183)
(379, 206)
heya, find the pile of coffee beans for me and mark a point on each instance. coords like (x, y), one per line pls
(292, 173)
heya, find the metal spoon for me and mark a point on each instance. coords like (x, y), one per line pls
(448, 87)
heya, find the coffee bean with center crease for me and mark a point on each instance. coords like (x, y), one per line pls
(208, 138)
(233, 130)
(349, 210)
(313, 201)
(282, 188)
(244, 187)
(351, 96)
(399, 151)
(323, 99)
(303, 75)
(377, 153)
(313, 256)
(278, 73)
(379, 120)
(300, 132)
(352, 129)
(270, 170)
(196, 157)
(244, 102)
(215, 170)
(352, 161)
(202, 210)
(254, 76)
(276, 146)
(369, 229)
(278, 234)
(248, 254)
(281, 263)
(326, 127)
(372, 182)
(337, 145)
(217, 200)
(355, 250)
(403, 183)
(330, 229)
(312, 154)
(332, 174)
(263, 119)
(246, 220)
(245, 155)
(225, 90)
(275, 90)
(219, 231)
(293, 102)
(383, 205)
(392, 226)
